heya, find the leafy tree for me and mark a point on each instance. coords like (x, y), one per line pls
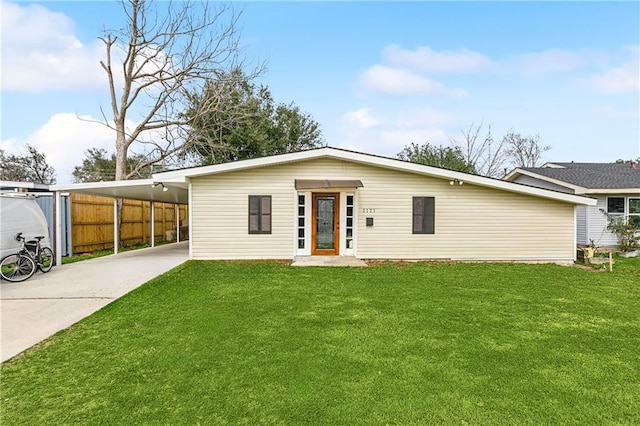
(31, 167)
(98, 166)
(621, 161)
(450, 158)
(247, 124)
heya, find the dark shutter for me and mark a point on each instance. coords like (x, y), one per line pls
(259, 214)
(423, 215)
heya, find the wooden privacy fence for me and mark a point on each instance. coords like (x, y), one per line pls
(92, 222)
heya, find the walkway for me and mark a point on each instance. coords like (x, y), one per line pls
(35, 309)
(328, 261)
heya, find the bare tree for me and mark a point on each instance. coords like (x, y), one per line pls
(491, 158)
(481, 151)
(524, 151)
(155, 62)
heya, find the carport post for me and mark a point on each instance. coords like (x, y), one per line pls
(153, 223)
(116, 236)
(57, 230)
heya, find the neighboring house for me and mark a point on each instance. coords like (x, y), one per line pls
(616, 186)
(335, 202)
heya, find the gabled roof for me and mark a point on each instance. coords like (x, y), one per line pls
(586, 178)
(183, 176)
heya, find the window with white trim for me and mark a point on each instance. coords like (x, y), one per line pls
(621, 208)
(301, 215)
(350, 218)
(634, 212)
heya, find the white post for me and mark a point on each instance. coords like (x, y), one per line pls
(58, 228)
(153, 224)
(190, 218)
(177, 209)
(116, 236)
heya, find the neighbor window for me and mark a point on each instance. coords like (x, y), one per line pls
(259, 214)
(619, 208)
(423, 215)
(634, 212)
(615, 205)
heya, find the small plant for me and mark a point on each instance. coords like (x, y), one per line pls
(626, 232)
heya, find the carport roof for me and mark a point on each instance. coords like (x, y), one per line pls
(141, 189)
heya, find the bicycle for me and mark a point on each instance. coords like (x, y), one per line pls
(23, 264)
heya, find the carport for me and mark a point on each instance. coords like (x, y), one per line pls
(47, 303)
(142, 189)
(36, 309)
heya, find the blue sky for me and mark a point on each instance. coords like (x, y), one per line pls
(375, 75)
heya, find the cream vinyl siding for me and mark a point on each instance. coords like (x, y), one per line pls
(471, 222)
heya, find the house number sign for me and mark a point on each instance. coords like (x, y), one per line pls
(368, 210)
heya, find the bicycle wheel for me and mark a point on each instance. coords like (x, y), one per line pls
(17, 267)
(45, 259)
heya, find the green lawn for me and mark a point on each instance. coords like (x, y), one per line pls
(265, 343)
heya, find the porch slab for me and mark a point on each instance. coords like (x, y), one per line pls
(328, 261)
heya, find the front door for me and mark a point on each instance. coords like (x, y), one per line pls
(324, 232)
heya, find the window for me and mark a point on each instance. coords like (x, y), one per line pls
(634, 212)
(301, 221)
(349, 227)
(423, 215)
(259, 214)
(615, 205)
(616, 209)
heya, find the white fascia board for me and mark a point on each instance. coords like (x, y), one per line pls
(368, 159)
(181, 175)
(469, 178)
(101, 185)
(618, 191)
(26, 185)
(514, 174)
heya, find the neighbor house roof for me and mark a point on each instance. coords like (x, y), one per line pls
(183, 176)
(586, 178)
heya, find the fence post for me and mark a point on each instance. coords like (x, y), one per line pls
(153, 226)
(177, 211)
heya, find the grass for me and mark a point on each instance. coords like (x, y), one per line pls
(265, 343)
(107, 252)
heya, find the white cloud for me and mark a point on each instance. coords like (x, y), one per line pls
(64, 139)
(423, 58)
(363, 118)
(389, 133)
(400, 82)
(552, 61)
(41, 52)
(622, 78)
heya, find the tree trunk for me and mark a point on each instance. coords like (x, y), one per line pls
(121, 170)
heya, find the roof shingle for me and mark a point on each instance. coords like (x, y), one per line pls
(592, 175)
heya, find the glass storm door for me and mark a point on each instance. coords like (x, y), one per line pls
(325, 224)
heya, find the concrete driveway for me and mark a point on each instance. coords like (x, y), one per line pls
(37, 308)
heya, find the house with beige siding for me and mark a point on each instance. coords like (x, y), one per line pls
(615, 186)
(334, 202)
